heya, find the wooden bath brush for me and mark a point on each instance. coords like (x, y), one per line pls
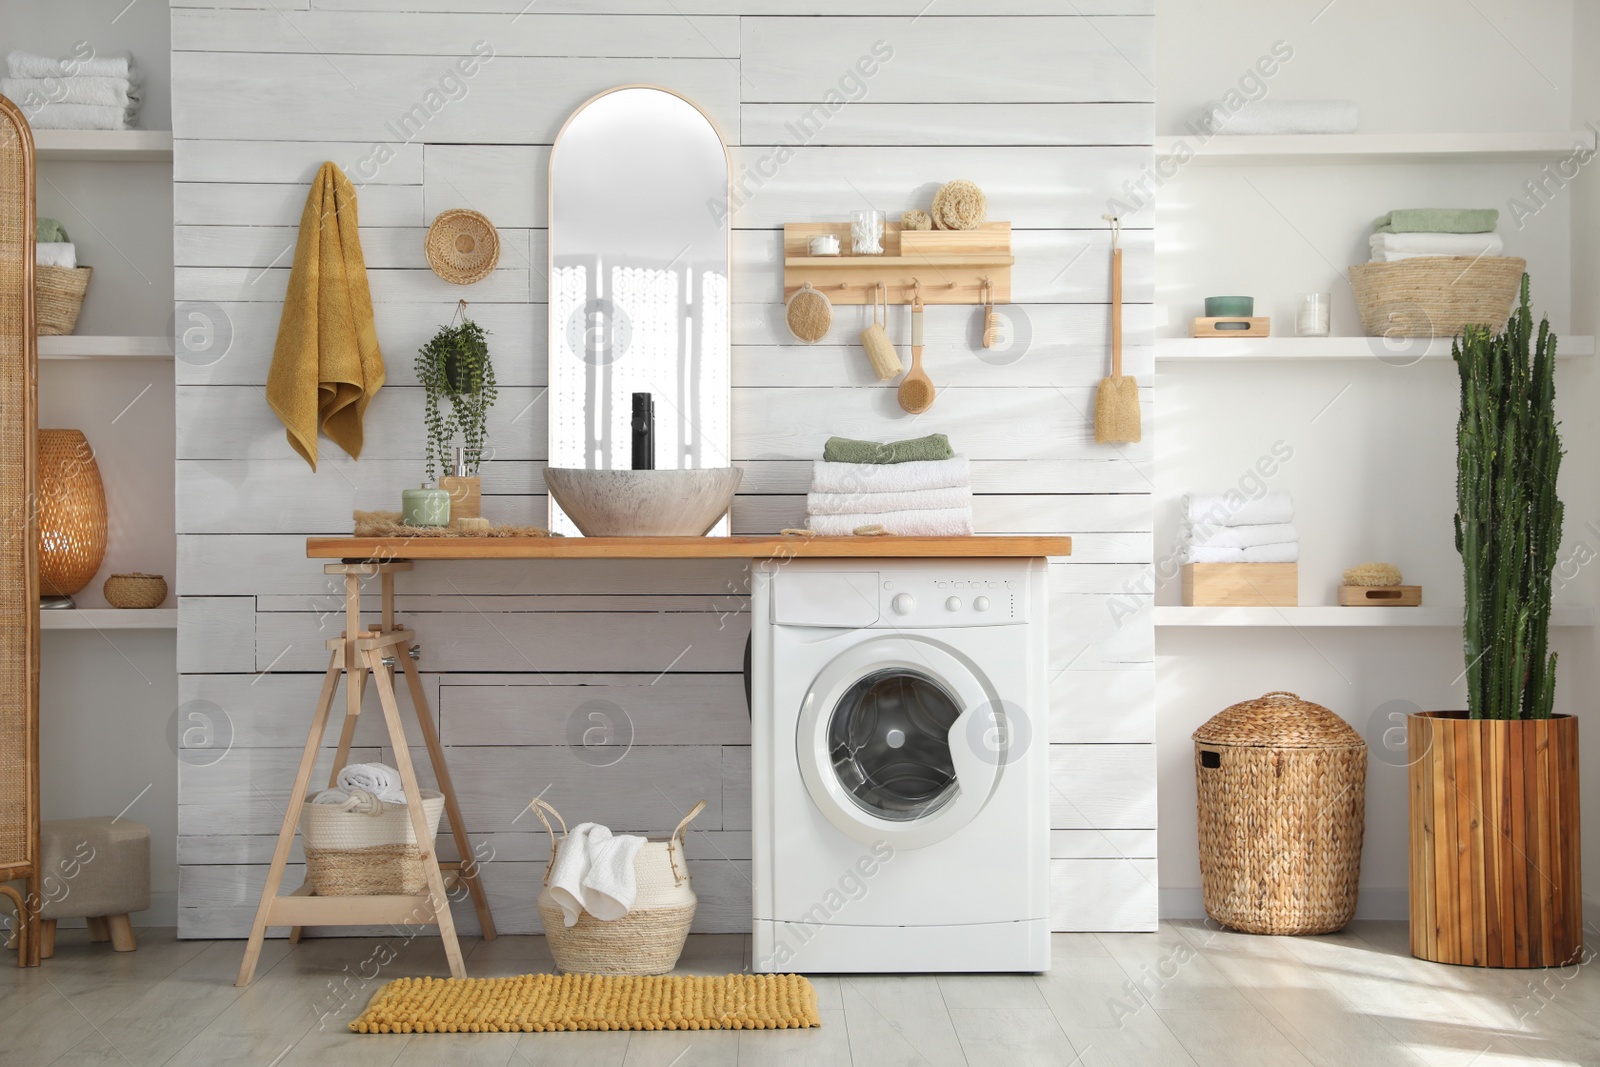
(916, 388)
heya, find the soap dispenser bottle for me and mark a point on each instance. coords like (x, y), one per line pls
(644, 432)
(465, 491)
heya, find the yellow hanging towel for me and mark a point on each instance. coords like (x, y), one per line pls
(326, 365)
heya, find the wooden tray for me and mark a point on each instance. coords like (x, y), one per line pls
(1260, 326)
(1380, 596)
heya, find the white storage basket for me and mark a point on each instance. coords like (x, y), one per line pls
(366, 847)
(647, 940)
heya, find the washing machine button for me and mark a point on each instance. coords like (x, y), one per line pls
(903, 603)
(895, 738)
(953, 604)
(982, 603)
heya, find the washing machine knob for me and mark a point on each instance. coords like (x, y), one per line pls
(953, 604)
(903, 603)
(982, 603)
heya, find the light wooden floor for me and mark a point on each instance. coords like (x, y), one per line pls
(1186, 995)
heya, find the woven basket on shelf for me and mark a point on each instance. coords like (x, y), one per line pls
(647, 940)
(366, 847)
(59, 292)
(1282, 789)
(1435, 296)
(462, 246)
(135, 590)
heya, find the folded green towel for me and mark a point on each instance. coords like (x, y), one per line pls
(844, 450)
(49, 231)
(1438, 220)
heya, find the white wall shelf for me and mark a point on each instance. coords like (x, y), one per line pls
(1338, 148)
(1321, 616)
(1400, 352)
(84, 346)
(108, 619)
(122, 146)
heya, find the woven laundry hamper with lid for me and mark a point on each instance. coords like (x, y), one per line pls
(1282, 790)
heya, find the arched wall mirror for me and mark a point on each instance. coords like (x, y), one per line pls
(639, 285)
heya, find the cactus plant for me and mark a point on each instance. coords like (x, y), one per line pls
(1508, 517)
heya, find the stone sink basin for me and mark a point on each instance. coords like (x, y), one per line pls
(678, 503)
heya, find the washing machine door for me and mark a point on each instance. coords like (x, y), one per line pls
(891, 742)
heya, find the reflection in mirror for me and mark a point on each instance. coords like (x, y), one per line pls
(639, 299)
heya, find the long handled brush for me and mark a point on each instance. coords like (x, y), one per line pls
(1116, 402)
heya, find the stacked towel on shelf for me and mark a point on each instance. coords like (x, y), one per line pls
(98, 93)
(594, 873)
(1233, 529)
(916, 488)
(1411, 233)
(379, 779)
(56, 254)
(1286, 116)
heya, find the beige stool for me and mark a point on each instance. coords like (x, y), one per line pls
(97, 870)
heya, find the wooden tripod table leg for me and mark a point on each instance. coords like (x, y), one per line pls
(452, 810)
(419, 823)
(291, 821)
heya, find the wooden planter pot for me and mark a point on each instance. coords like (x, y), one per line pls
(1495, 878)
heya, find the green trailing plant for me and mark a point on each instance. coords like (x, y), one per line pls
(1508, 517)
(455, 370)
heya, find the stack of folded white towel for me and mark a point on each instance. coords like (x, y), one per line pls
(1232, 529)
(1418, 232)
(917, 498)
(93, 93)
(378, 779)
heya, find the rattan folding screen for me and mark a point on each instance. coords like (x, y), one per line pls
(19, 564)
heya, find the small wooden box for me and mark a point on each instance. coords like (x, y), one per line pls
(1380, 596)
(1260, 326)
(1252, 585)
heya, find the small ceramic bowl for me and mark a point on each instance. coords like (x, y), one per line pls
(1230, 307)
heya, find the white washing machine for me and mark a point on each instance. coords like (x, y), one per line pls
(900, 755)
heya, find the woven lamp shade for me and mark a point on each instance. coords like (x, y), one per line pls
(72, 513)
(462, 246)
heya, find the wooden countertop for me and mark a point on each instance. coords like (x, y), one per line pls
(379, 548)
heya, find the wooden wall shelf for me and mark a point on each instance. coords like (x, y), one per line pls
(985, 547)
(950, 264)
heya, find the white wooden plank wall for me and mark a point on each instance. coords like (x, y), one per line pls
(1050, 113)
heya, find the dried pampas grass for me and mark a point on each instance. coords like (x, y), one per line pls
(959, 205)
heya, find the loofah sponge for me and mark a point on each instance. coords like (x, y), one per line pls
(916, 220)
(810, 314)
(1372, 574)
(959, 205)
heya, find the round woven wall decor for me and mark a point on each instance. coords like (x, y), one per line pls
(463, 246)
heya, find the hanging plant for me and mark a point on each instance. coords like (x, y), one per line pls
(454, 368)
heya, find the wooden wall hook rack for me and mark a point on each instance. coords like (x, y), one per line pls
(946, 266)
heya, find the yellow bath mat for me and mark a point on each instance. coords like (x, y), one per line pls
(541, 1002)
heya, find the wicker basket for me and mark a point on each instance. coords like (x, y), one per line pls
(366, 847)
(1435, 296)
(135, 590)
(462, 246)
(59, 293)
(647, 940)
(1282, 786)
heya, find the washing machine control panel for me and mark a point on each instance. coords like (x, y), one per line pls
(924, 598)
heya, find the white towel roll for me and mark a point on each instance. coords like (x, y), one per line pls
(379, 779)
(890, 477)
(944, 522)
(56, 254)
(1287, 116)
(1236, 509)
(27, 65)
(955, 496)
